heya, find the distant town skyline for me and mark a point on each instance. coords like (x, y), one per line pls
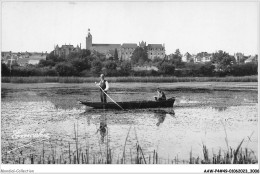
(188, 26)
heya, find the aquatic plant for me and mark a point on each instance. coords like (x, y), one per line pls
(84, 156)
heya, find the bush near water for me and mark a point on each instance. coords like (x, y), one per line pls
(87, 64)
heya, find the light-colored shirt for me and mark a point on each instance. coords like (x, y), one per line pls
(161, 95)
(107, 86)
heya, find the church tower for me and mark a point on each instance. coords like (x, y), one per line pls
(89, 40)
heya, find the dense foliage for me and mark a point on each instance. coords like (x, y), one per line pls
(139, 55)
(86, 64)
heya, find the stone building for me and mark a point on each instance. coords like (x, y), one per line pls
(203, 57)
(65, 50)
(125, 50)
(106, 49)
(239, 57)
(155, 50)
(187, 57)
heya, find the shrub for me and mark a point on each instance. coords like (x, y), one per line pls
(167, 69)
(80, 64)
(244, 69)
(44, 63)
(50, 72)
(207, 69)
(66, 69)
(5, 70)
(125, 68)
(96, 67)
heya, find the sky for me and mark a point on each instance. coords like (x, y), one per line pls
(188, 26)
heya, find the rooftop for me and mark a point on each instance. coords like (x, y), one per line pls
(22, 61)
(129, 45)
(251, 58)
(155, 45)
(37, 57)
(101, 45)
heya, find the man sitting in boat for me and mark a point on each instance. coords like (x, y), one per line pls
(104, 85)
(161, 96)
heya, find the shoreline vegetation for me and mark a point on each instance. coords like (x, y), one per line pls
(73, 153)
(137, 156)
(147, 79)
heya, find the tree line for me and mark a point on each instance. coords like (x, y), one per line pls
(86, 63)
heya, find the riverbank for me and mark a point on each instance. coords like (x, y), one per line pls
(180, 86)
(153, 79)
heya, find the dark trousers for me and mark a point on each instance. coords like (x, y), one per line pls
(103, 97)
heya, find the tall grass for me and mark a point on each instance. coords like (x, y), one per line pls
(154, 79)
(234, 156)
(80, 155)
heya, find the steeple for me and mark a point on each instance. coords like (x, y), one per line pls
(89, 41)
(89, 35)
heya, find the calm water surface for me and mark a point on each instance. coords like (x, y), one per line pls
(198, 118)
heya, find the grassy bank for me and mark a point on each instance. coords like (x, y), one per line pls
(126, 79)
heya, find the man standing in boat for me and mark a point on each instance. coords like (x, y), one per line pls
(104, 85)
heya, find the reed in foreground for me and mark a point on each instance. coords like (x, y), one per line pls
(137, 156)
(79, 155)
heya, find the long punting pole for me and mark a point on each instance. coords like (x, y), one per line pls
(110, 98)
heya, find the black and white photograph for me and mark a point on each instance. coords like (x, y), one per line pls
(129, 86)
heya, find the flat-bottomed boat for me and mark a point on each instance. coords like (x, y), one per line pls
(131, 104)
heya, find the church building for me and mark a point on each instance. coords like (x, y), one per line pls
(125, 50)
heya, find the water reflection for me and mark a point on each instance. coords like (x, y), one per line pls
(220, 108)
(85, 115)
(102, 127)
(161, 114)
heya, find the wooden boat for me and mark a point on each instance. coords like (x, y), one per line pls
(131, 104)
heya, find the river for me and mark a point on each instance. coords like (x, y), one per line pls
(45, 119)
